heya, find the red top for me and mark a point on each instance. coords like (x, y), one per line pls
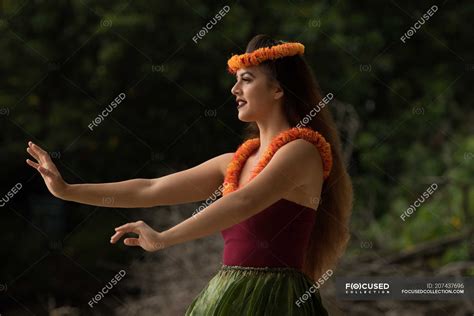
(275, 237)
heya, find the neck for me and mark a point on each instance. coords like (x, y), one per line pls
(269, 131)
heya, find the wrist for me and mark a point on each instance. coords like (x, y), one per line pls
(66, 192)
(165, 239)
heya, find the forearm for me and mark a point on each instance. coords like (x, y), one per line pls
(223, 213)
(126, 194)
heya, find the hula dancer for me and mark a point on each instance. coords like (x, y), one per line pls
(286, 201)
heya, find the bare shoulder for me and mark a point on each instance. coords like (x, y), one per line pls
(303, 150)
(306, 155)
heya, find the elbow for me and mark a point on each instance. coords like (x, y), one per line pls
(148, 195)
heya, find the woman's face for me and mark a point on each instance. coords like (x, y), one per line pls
(258, 93)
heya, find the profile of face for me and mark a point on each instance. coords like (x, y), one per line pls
(256, 94)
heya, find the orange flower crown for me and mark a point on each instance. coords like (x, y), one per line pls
(265, 53)
(234, 169)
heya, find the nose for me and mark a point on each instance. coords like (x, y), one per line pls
(235, 89)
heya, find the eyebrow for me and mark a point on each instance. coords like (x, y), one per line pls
(246, 72)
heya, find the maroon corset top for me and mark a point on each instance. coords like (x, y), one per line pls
(275, 237)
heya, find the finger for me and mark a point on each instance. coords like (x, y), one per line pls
(131, 242)
(32, 163)
(128, 227)
(38, 148)
(39, 151)
(44, 171)
(122, 227)
(35, 152)
(32, 153)
(116, 237)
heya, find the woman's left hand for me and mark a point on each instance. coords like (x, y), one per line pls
(148, 239)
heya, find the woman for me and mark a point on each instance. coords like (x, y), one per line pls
(286, 194)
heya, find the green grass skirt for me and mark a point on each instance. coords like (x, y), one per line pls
(236, 290)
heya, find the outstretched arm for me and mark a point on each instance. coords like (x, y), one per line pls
(194, 184)
(284, 172)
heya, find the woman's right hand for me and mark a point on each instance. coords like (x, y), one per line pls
(47, 169)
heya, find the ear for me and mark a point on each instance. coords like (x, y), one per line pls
(278, 91)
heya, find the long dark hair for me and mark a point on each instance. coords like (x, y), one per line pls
(330, 234)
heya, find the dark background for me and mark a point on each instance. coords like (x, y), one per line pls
(404, 111)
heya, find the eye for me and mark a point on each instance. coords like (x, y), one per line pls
(246, 79)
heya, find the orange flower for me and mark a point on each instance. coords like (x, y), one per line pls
(265, 53)
(234, 169)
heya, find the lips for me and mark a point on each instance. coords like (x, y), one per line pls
(240, 103)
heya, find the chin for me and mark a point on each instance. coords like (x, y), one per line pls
(246, 117)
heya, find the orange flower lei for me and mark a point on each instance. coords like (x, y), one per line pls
(256, 57)
(234, 169)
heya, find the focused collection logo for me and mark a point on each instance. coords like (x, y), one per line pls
(367, 288)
